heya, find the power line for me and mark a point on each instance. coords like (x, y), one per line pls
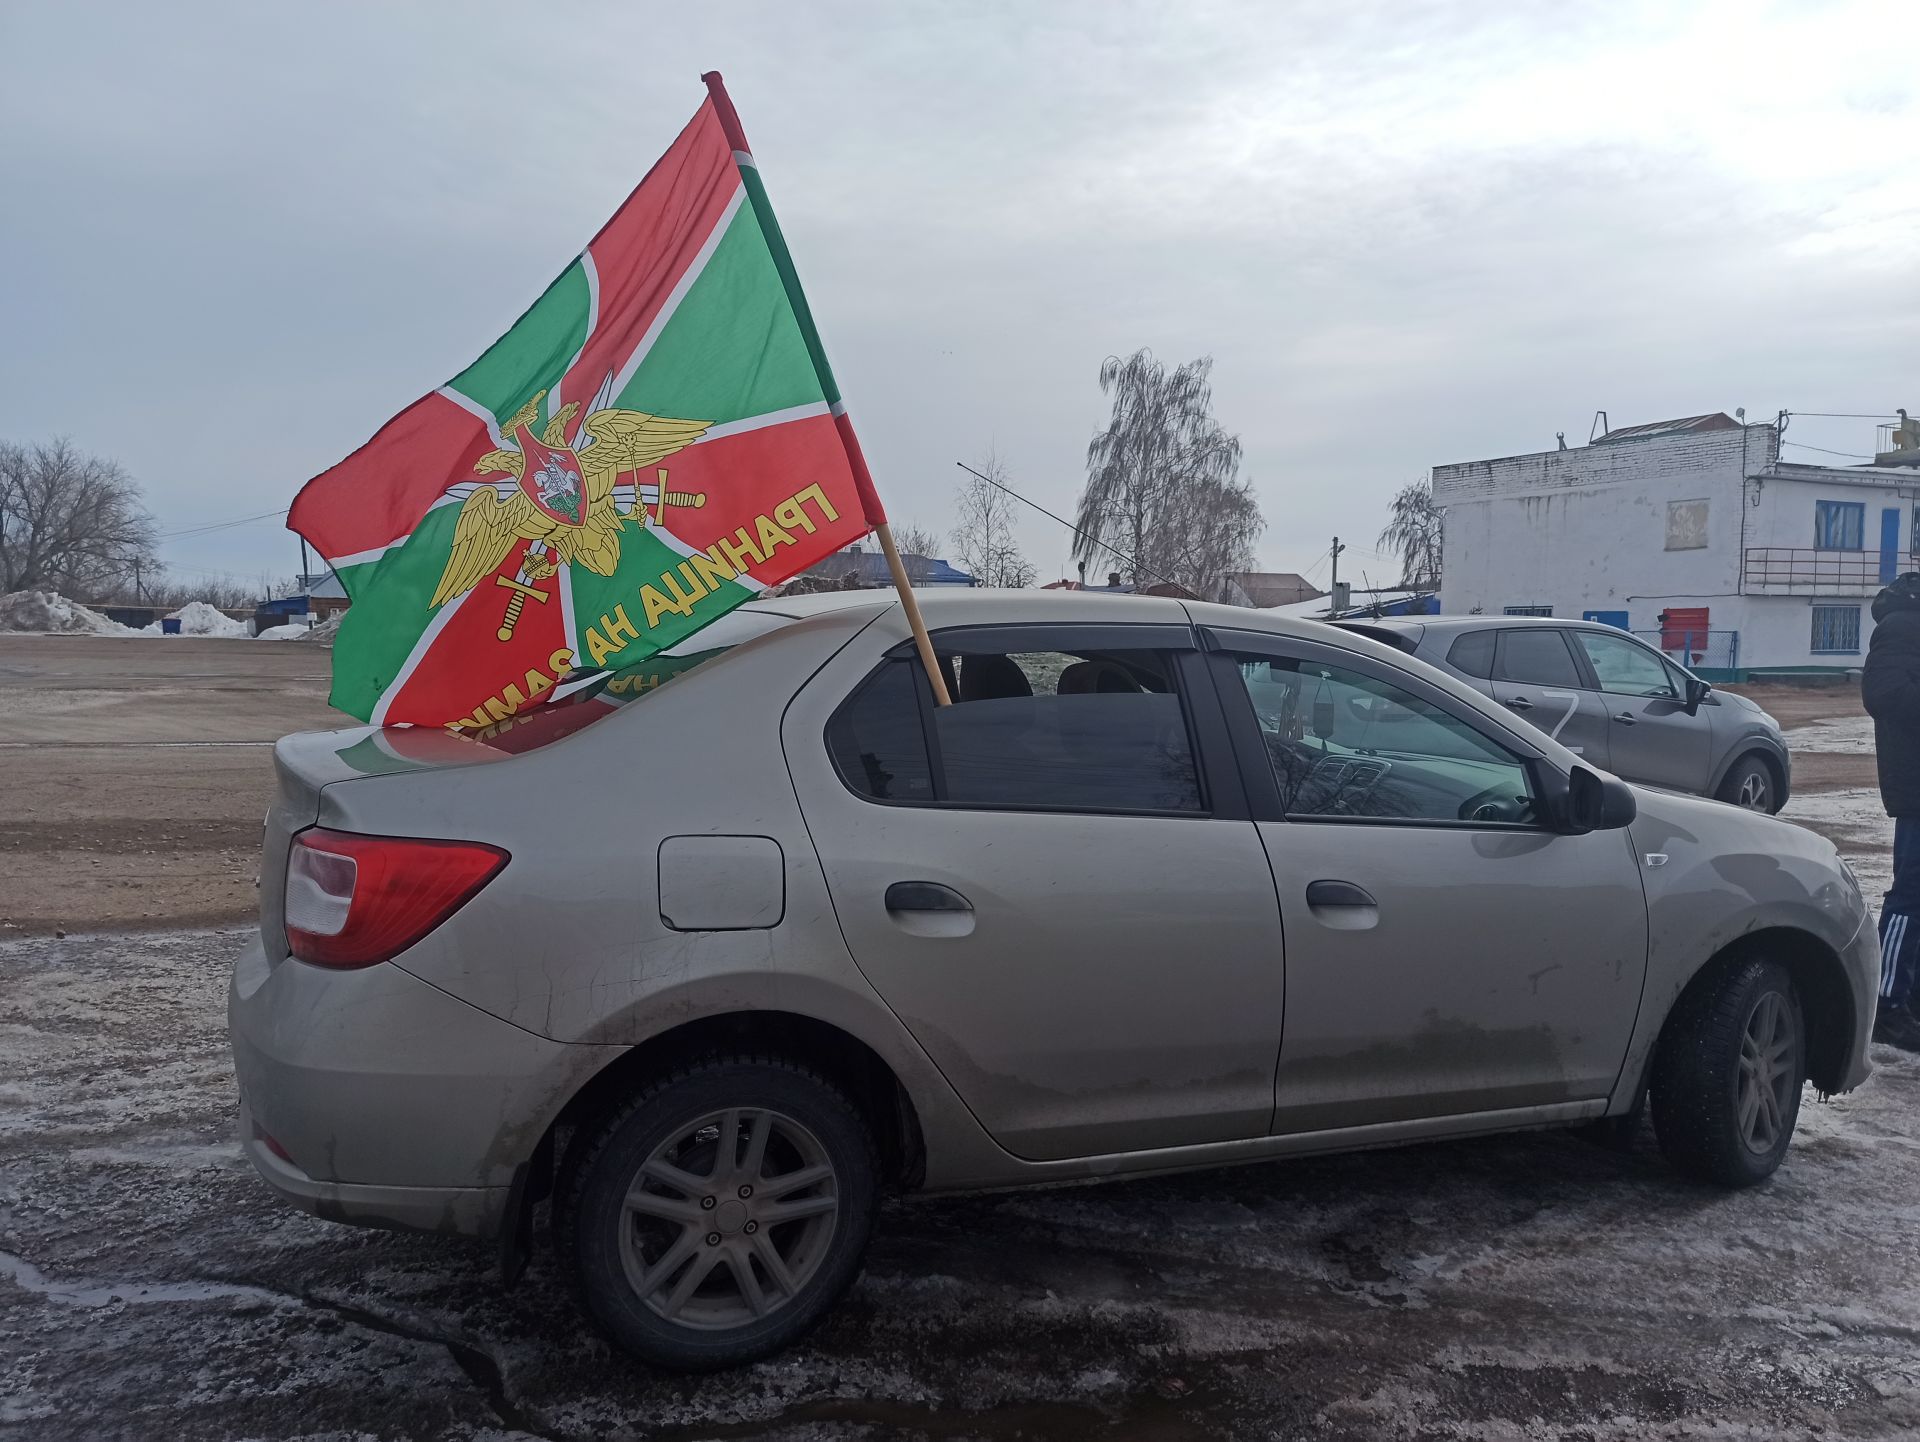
(221, 525)
(1843, 415)
(1844, 455)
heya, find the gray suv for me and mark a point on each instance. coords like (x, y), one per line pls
(1612, 700)
(699, 963)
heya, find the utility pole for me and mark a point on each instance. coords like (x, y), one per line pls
(139, 597)
(1334, 582)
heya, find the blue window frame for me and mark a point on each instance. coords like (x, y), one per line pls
(1836, 630)
(1839, 525)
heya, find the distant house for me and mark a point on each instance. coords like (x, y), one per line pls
(857, 570)
(1116, 587)
(1263, 590)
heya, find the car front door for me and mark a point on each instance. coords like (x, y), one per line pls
(1536, 677)
(1446, 954)
(1651, 735)
(1054, 882)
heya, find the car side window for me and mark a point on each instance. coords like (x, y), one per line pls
(1472, 654)
(1536, 656)
(1346, 745)
(1070, 731)
(1626, 668)
(877, 740)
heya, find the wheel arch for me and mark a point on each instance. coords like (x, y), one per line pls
(1766, 755)
(839, 1056)
(1820, 978)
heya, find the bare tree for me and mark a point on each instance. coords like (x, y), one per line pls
(1164, 499)
(983, 540)
(69, 522)
(1413, 529)
(916, 545)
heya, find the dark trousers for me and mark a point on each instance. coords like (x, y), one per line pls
(1899, 939)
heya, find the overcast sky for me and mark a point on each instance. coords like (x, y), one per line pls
(235, 239)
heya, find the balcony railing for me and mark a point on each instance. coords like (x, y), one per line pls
(1804, 571)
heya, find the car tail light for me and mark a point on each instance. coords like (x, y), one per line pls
(356, 900)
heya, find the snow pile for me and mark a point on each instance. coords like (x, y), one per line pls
(292, 631)
(325, 631)
(197, 618)
(52, 613)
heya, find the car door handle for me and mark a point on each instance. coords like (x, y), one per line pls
(1519, 703)
(1627, 718)
(1338, 893)
(925, 896)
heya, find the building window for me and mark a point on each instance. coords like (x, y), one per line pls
(1836, 630)
(1527, 610)
(1686, 525)
(1839, 525)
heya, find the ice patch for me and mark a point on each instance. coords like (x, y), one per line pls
(1855, 821)
(30, 1278)
(1842, 736)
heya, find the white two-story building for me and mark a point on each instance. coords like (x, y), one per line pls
(1693, 533)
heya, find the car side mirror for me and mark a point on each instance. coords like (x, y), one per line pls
(1697, 691)
(1597, 803)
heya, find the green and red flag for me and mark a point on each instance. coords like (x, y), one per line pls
(655, 441)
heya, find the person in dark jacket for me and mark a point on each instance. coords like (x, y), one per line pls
(1890, 687)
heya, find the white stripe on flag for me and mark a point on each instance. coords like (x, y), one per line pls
(473, 408)
(555, 404)
(679, 291)
(757, 423)
(420, 648)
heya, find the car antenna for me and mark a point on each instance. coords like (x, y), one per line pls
(1137, 566)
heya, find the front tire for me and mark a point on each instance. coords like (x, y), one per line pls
(1749, 784)
(1728, 1075)
(717, 1216)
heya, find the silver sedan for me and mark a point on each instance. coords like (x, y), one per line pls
(703, 959)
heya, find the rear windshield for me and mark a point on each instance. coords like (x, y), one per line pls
(587, 697)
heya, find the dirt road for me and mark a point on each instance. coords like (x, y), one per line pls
(134, 773)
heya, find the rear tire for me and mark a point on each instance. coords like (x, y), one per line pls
(1728, 1075)
(1750, 785)
(718, 1215)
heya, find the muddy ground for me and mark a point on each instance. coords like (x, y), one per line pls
(1534, 1286)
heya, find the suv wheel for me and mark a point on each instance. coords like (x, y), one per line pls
(717, 1216)
(1728, 1075)
(1749, 785)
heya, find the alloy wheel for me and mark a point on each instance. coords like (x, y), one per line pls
(1755, 792)
(729, 1218)
(1769, 1071)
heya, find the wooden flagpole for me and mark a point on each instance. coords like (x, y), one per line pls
(911, 605)
(875, 514)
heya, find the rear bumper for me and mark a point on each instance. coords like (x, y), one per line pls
(456, 1211)
(390, 1102)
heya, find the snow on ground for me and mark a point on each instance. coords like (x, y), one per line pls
(52, 613)
(1855, 821)
(1529, 1286)
(1843, 736)
(293, 631)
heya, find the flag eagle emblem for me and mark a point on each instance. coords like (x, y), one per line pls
(561, 492)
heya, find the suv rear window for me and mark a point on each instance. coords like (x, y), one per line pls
(1472, 654)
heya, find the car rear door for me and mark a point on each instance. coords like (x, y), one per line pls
(1053, 882)
(1650, 734)
(1536, 677)
(1445, 953)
